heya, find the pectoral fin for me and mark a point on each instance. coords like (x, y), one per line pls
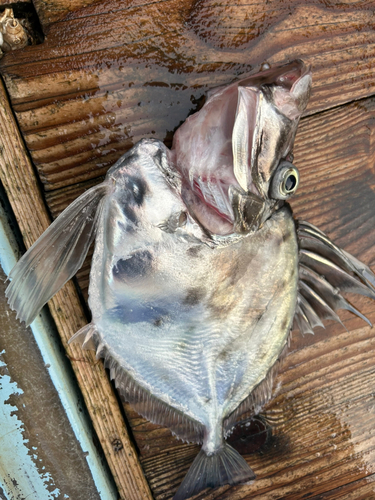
(56, 256)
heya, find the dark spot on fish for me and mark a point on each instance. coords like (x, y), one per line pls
(127, 228)
(194, 296)
(287, 236)
(130, 214)
(127, 207)
(237, 271)
(284, 324)
(223, 356)
(137, 187)
(137, 265)
(136, 313)
(279, 240)
(158, 321)
(182, 219)
(158, 157)
(193, 251)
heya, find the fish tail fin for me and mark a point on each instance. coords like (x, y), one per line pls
(226, 466)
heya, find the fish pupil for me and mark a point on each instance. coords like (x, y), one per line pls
(290, 183)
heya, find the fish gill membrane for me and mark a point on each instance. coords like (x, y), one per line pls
(199, 268)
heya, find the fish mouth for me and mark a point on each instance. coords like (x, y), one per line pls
(227, 152)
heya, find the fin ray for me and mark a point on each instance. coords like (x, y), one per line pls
(324, 272)
(56, 256)
(225, 466)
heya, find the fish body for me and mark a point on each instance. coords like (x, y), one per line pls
(199, 268)
(194, 324)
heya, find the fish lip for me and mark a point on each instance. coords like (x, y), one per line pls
(276, 74)
(213, 172)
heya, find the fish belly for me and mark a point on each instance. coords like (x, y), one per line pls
(198, 327)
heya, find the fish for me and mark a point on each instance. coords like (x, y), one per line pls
(200, 270)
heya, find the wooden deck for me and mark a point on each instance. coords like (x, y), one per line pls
(111, 72)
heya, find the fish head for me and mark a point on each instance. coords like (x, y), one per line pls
(235, 154)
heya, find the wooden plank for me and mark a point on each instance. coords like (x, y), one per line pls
(113, 72)
(21, 185)
(50, 11)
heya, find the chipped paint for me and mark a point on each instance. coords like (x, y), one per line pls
(18, 482)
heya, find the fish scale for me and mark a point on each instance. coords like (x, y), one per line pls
(194, 286)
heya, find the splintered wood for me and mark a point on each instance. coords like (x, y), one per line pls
(110, 73)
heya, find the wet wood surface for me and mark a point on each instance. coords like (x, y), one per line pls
(110, 73)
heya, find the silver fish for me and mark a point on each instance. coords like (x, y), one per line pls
(199, 267)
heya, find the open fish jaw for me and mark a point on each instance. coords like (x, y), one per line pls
(236, 141)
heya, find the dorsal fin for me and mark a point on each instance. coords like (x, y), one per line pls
(325, 271)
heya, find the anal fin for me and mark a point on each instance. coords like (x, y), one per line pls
(144, 403)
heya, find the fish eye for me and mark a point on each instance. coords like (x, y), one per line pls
(285, 181)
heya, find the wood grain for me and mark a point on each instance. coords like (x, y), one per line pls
(22, 188)
(110, 73)
(50, 11)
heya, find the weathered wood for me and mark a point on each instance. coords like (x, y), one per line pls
(113, 72)
(50, 11)
(22, 188)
